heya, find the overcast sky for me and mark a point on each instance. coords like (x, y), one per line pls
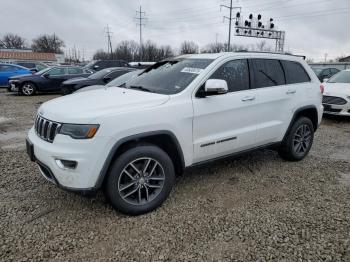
(313, 27)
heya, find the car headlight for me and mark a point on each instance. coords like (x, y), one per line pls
(78, 131)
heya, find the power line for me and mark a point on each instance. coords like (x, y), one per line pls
(140, 17)
(109, 42)
(230, 21)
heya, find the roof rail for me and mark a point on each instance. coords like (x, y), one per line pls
(270, 52)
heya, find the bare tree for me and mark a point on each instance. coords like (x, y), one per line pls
(13, 41)
(127, 50)
(189, 47)
(213, 48)
(262, 46)
(48, 44)
(101, 55)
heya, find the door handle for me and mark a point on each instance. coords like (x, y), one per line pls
(289, 92)
(248, 98)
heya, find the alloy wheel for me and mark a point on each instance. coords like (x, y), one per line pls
(302, 139)
(141, 181)
(28, 89)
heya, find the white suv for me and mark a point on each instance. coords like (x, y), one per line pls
(132, 140)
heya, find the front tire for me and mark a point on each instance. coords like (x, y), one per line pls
(140, 180)
(28, 89)
(298, 141)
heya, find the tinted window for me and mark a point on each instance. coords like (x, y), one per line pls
(75, 70)
(267, 72)
(295, 72)
(57, 71)
(116, 74)
(235, 73)
(334, 71)
(27, 65)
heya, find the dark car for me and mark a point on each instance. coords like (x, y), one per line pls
(101, 77)
(97, 65)
(324, 72)
(32, 65)
(119, 81)
(46, 81)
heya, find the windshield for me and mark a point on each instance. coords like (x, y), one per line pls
(43, 71)
(100, 74)
(124, 78)
(169, 77)
(317, 70)
(90, 64)
(341, 77)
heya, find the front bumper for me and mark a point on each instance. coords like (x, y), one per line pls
(342, 110)
(90, 155)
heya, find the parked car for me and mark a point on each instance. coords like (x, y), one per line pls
(101, 77)
(119, 81)
(32, 65)
(97, 65)
(323, 72)
(182, 112)
(45, 81)
(9, 70)
(336, 97)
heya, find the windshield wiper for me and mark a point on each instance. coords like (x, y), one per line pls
(141, 88)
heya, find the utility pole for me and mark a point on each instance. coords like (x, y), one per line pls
(231, 8)
(140, 16)
(325, 57)
(109, 42)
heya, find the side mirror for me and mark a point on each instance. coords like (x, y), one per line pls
(46, 75)
(215, 87)
(96, 66)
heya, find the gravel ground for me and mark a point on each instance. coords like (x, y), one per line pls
(253, 208)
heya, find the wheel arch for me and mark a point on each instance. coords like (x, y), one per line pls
(306, 111)
(165, 139)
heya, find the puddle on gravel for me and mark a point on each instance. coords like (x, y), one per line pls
(344, 178)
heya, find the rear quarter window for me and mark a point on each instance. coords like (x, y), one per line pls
(294, 72)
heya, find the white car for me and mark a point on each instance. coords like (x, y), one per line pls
(132, 141)
(336, 97)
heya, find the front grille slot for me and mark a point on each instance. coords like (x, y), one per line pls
(333, 100)
(46, 129)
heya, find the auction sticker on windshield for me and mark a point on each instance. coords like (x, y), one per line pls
(192, 70)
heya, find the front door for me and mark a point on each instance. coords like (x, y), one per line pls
(226, 123)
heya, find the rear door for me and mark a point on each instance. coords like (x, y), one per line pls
(225, 124)
(278, 84)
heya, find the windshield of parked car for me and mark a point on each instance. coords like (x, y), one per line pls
(89, 65)
(121, 80)
(169, 77)
(317, 70)
(341, 77)
(43, 71)
(100, 74)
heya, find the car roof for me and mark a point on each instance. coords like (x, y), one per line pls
(247, 54)
(14, 65)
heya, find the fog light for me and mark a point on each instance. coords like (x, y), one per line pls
(66, 164)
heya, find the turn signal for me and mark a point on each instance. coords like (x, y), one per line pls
(321, 89)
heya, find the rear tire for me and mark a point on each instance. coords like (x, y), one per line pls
(298, 141)
(140, 180)
(28, 89)
(66, 91)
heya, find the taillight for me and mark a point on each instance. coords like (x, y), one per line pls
(321, 89)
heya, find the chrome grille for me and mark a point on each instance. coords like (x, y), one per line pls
(333, 100)
(46, 129)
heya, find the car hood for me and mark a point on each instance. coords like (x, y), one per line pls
(85, 107)
(336, 88)
(89, 88)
